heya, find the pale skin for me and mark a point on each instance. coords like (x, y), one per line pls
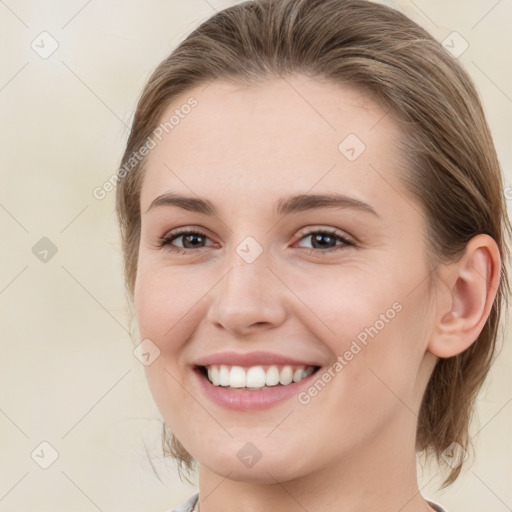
(351, 447)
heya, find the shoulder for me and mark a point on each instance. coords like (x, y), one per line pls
(188, 505)
(436, 506)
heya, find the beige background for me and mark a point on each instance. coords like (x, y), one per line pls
(67, 372)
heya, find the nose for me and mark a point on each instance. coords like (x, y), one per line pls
(249, 299)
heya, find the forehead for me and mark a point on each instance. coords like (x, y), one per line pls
(285, 134)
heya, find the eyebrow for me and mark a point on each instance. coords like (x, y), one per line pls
(284, 206)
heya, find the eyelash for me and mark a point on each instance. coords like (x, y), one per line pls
(165, 241)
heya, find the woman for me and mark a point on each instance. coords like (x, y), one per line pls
(314, 234)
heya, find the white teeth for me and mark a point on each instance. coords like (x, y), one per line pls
(286, 375)
(237, 377)
(256, 377)
(298, 375)
(272, 376)
(213, 373)
(308, 372)
(223, 376)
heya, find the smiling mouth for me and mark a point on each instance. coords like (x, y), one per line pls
(257, 377)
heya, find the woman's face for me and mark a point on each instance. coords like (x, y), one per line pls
(267, 285)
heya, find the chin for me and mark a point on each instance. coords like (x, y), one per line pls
(266, 470)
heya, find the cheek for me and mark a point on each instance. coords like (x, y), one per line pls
(165, 301)
(166, 308)
(169, 308)
(374, 327)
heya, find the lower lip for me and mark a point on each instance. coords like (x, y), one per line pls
(244, 399)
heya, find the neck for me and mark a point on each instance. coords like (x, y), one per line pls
(381, 475)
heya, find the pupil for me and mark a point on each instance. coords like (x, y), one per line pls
(192, 237)
(320, 236)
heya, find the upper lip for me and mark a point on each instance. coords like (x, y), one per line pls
(250, 359)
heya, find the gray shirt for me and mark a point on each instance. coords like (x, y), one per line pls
(190, 505)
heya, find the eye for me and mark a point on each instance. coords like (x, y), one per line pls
(191, 240)
(324, 240)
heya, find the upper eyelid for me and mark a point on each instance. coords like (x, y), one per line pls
(334, 231)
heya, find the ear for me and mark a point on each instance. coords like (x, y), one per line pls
(467, 292)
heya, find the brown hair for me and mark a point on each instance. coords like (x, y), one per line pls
(453, 168)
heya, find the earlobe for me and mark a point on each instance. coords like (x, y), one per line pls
(468, 290)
